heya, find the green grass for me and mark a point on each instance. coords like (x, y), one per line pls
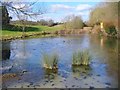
(50, 61)
(81, 58)
(15, 31)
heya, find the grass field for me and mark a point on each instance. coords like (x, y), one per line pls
(11, 32)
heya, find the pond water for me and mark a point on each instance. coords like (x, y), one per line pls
(25, 59)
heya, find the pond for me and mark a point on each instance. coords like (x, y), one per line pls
(24, 58)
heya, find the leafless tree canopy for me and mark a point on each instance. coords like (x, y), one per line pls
(105, 12)
(73, 22)
(24, 9)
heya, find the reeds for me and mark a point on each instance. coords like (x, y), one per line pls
(81, 58)
(50, 61)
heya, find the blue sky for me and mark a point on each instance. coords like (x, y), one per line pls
(59, 10)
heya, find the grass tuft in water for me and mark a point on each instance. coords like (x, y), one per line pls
(50, 61)
(81, 58)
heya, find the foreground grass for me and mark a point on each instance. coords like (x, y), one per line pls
(50, 61)
(11, 32)
(81, 58)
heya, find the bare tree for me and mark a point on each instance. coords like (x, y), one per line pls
(107, 13)
(24, 10)
(73, 22)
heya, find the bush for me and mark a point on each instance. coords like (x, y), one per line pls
(50, 61)
(73, 22)
(110, 30)
(96, 29)
(81, 58)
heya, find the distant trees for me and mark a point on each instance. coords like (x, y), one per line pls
(42, 22)
(106, 13)
(73, 22)
(49, 23)
(46, 22)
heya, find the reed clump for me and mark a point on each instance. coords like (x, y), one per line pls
(81, 58)
(50, 62)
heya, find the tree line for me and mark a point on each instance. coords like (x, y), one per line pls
(73, 22)
(108, 13)
(42, 22)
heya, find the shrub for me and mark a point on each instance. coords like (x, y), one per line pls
(73, 22)
(110, 30)
(86, 58)
(96, 29)
(81, 58)
(50, 61)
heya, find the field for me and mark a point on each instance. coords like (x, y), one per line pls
(13, 32)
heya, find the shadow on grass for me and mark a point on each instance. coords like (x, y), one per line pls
(19, 28)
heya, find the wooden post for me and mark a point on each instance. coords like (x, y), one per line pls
(101, 25)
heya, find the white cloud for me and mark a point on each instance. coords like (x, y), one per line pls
(83, 13)
(83, 7)
(82, 10)
(57, 7)
(19, 5)
(45, 17)
(62, 7)
(24, 6)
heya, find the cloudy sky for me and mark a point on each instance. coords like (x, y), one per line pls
(58, 10)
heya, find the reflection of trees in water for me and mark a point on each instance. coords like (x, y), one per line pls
(104, 44)
(50, 74)
(110, 55)
(78, 71)
(15, 53)
(23, 49)
(20, 55)
(110, 43)
(5, 50)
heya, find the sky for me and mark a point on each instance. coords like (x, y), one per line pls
(57, 11)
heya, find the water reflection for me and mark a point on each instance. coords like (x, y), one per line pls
(101, 42)
(50, 74)
(6, 50)
(27, 55)
(78, 71)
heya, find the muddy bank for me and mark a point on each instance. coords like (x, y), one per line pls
(24, 36)
(60, 32)
(96, 30)
(6, 77)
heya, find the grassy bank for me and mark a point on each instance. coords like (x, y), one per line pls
(11, 32)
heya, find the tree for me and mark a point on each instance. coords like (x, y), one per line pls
(5, 15)
(105, 12)
(23, 10)
(50, 23)
(73, 22)
(77, 22)
(43, 22)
